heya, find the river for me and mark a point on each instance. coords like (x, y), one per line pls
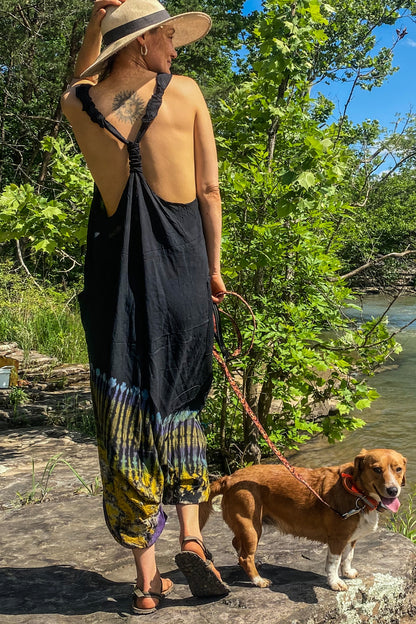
(391, 418)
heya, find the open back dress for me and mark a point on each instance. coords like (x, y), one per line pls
(146, 309)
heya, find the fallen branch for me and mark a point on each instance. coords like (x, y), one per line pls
(373, 262)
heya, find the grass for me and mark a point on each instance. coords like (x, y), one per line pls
(44, 320)
(40, 488)
(75, 415)
(404, 521)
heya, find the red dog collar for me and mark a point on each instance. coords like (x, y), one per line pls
(351, 488)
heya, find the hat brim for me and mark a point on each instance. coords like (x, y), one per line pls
(189, 27)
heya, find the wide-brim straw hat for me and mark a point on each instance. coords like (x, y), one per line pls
(123, 23)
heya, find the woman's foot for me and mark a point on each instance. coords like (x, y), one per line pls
(195, 562)
(148, 601)
(196, 545)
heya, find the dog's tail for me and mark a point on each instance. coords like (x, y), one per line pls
(205, 508)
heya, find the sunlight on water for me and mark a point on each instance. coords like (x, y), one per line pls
(391, 419)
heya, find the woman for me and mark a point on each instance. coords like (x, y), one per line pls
(152, 269)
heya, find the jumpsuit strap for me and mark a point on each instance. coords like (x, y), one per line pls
(153, 105)
(83, 94)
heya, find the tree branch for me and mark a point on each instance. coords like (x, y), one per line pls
(23, 265)
(373, 262)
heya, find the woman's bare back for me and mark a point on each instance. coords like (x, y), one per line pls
(176, 150)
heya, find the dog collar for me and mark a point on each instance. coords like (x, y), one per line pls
(351, 488)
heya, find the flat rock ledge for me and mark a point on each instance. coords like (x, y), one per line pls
(59, 563)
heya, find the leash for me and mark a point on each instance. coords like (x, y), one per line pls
(222, 356)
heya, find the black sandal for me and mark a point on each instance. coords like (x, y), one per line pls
(138, 593)
(202, 580)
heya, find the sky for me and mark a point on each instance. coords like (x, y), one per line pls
(397, 96)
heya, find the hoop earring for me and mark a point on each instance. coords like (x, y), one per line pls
(143, 50)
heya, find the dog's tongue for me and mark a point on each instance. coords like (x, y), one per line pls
(391, 503)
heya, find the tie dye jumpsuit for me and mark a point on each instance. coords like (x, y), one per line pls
(147, 314)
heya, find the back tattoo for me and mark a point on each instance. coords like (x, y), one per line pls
(128, 106)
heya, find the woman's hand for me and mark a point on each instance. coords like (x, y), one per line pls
(99, 11)
(217, 286)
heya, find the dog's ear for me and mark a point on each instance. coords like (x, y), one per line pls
(359, 464)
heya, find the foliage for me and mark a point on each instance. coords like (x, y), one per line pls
(385, 224)
(39, 42)
(289, 184)
(351, 53)
(45, 321)
(383, 221)
(404, 521)
(54, 223)
(17, 396)
(210, 61)
(283, 183)
(40, 488)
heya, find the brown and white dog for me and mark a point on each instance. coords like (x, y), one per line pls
(270, 494)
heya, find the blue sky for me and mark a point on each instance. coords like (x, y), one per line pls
(397, 96)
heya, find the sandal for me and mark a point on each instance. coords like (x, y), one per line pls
(138, 593)
(200, 573)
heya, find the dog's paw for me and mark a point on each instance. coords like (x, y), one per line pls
(351, 573)
(261, 582)
(338, 585)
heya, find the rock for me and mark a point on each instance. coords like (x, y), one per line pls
(46, 371)
(60, 564)
(48, 392)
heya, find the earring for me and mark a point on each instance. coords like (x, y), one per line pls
(143, 50)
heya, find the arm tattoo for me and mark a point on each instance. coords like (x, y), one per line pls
(128, 106)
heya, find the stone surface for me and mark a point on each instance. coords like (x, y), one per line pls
(47, 392)
(59, 563)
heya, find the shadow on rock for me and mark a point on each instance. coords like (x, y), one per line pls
(60, 589)
(297, 585)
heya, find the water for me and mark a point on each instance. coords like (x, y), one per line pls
(391, 419)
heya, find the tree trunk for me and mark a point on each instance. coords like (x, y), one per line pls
(265, 399)
(57, 117)
(223, 418)
(252, 451)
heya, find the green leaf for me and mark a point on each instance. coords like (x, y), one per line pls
(306, 179)
(363, 404)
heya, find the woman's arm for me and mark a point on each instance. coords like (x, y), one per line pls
(208, 193)
(91, 45)
(88, 53)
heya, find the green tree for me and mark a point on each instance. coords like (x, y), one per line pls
(55, 226)
(39, 42)
(211, 61)
(381, 235)
(377, 231)
(284, 184)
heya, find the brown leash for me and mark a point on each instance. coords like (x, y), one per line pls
(221, 359)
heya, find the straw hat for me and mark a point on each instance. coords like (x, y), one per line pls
(122, 24)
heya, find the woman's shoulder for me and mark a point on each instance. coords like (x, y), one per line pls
(186, 88)
(70, 102)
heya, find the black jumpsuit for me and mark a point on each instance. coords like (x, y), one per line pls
(147, 314)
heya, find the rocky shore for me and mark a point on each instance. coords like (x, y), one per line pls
(59, 563)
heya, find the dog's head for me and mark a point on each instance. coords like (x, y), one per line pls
(381, 473)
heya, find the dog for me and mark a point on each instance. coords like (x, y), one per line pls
(356, 492)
